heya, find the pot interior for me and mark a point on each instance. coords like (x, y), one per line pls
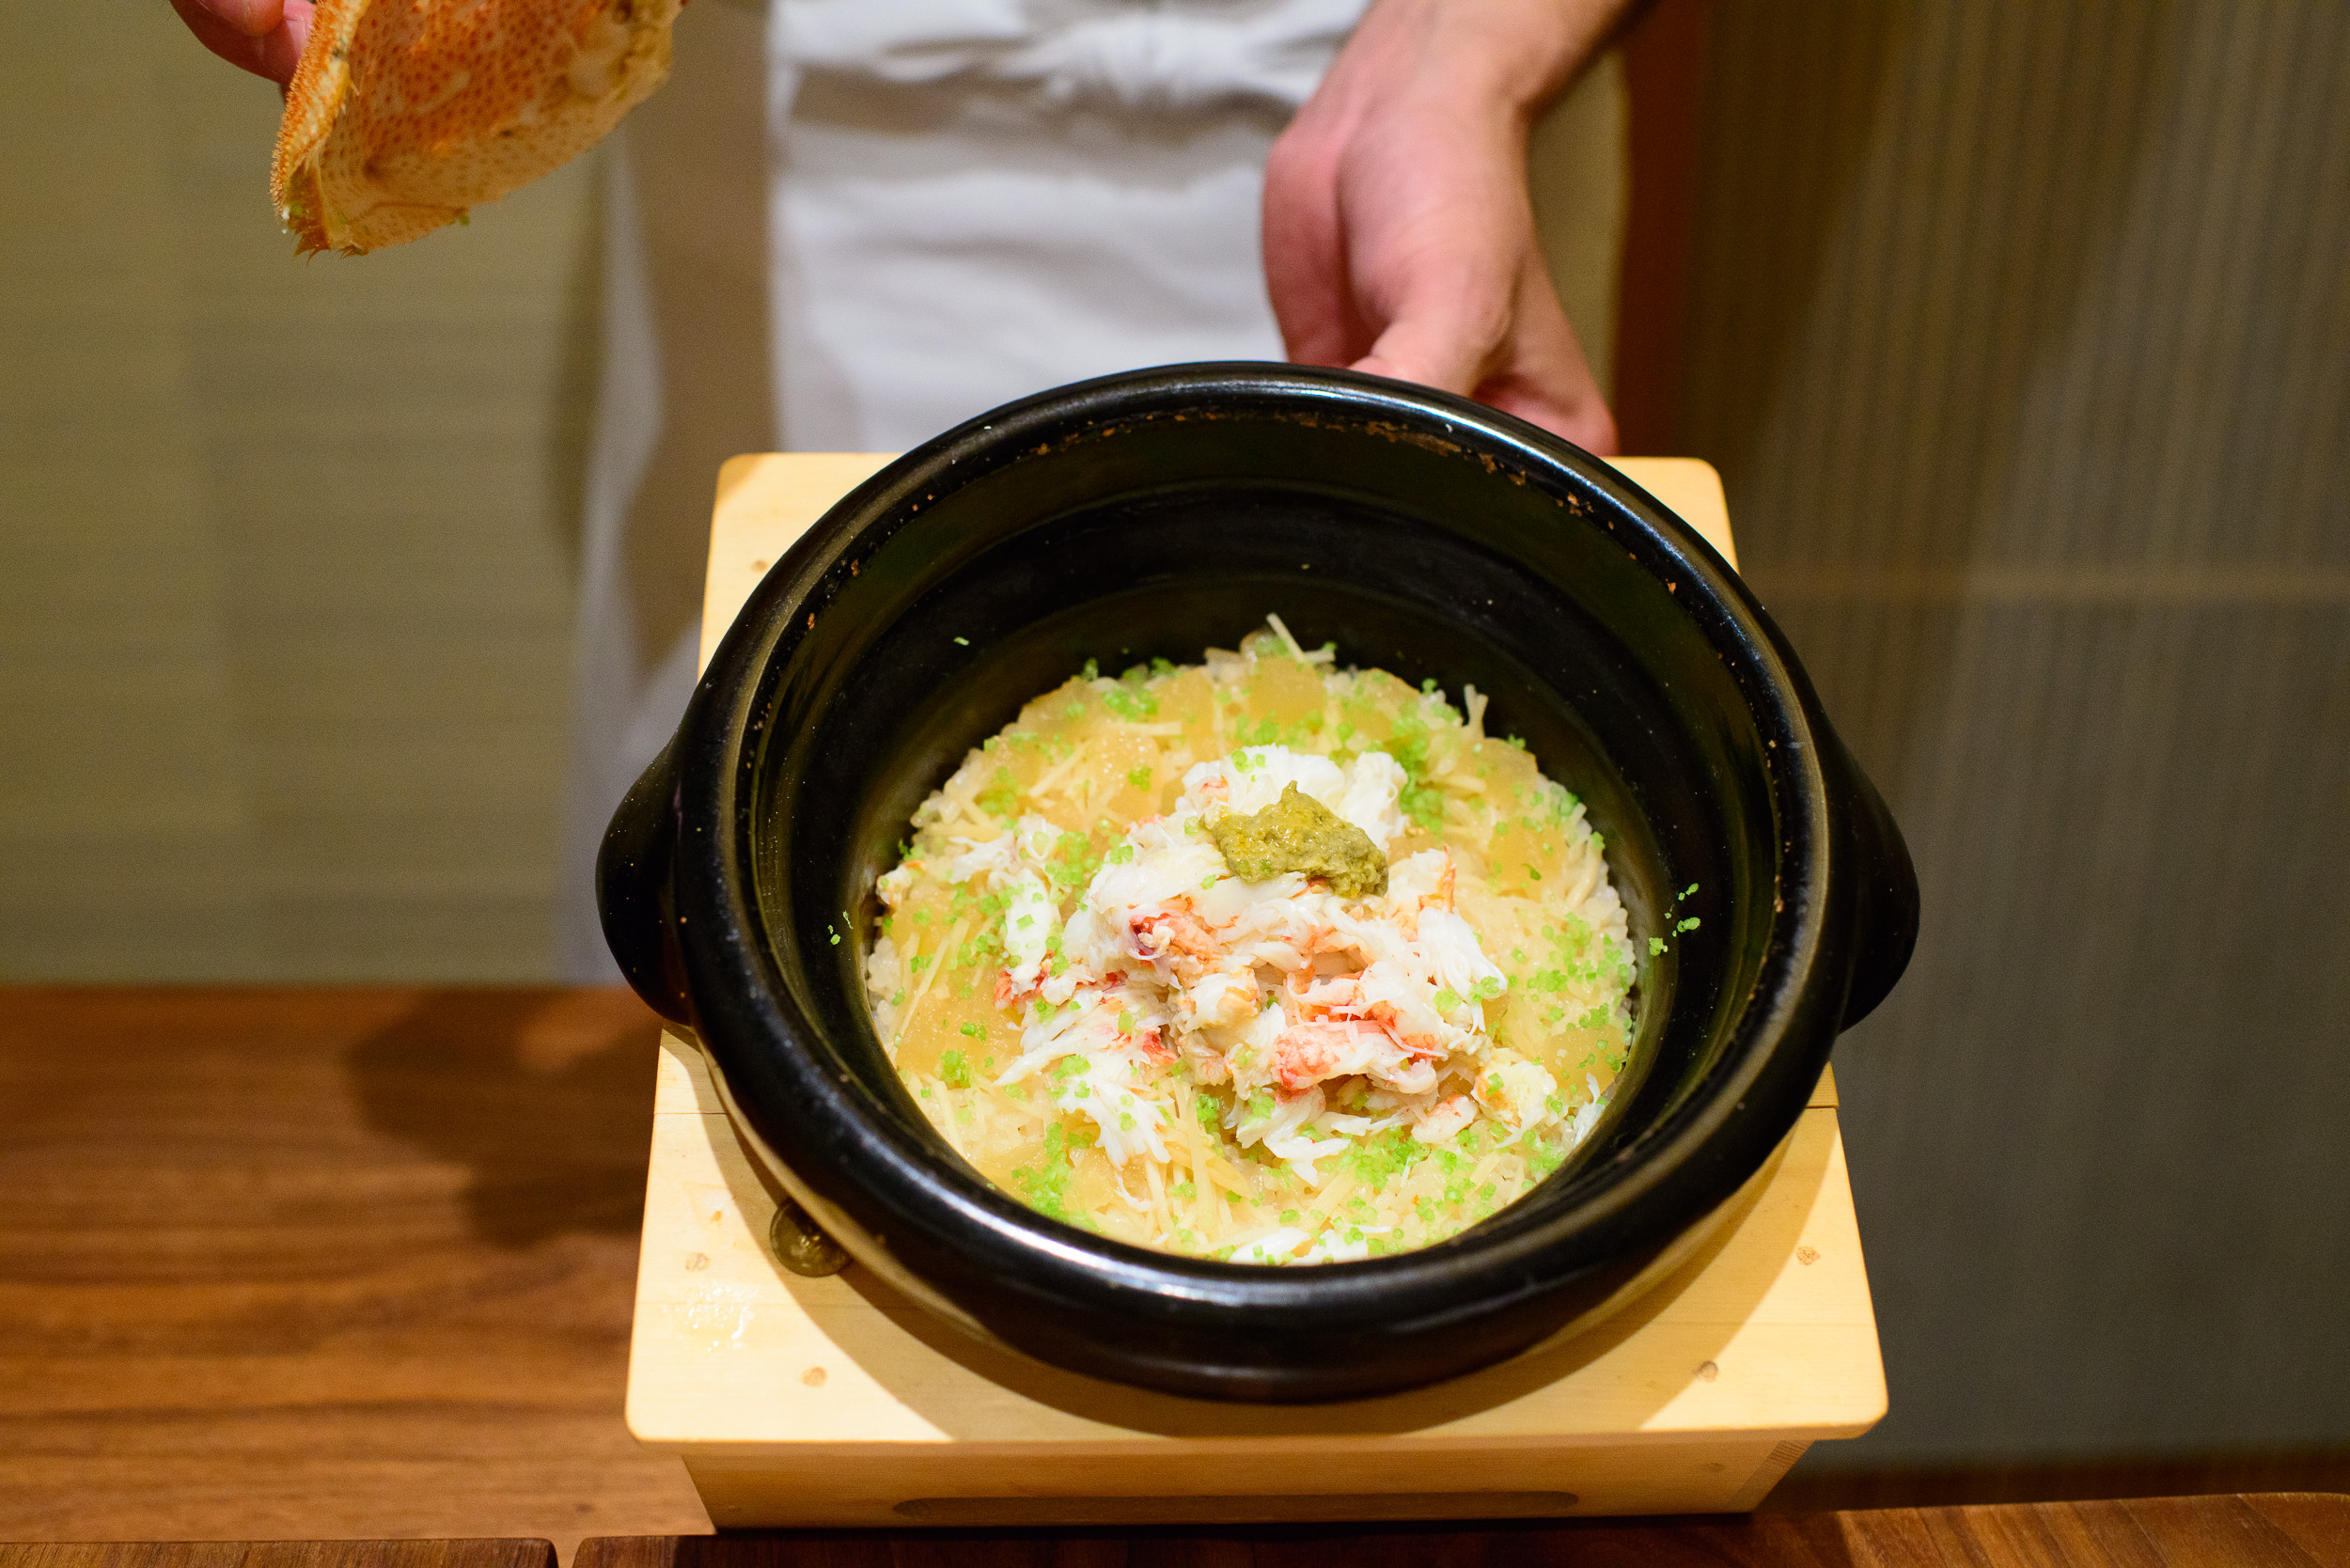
(972, 589)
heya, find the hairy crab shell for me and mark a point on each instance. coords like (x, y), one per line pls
(404, 113)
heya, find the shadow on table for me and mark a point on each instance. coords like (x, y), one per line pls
(546, 1096)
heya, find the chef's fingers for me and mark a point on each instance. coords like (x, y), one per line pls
(263, 37)
(1449, 327)
(1518, 355)
(1542, 375)
(1305, 252)
(253, 18)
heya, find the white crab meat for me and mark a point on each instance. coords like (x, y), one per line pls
(1365, 792)
(1293, 996)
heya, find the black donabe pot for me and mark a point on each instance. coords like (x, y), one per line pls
(1155, 514)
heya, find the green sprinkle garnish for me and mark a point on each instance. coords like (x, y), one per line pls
(1131, 704)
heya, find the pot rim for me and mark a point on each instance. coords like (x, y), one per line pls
(1667, 1177)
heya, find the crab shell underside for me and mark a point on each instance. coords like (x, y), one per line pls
(404, 113)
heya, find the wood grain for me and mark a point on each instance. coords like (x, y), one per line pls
(282, 1554)
(322, 1263)
(1835, 1488)
(357, 1264)
(2290, 1530)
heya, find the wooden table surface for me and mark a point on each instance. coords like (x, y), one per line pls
(339, 1264)
(2274, 1531)
(318, 1264)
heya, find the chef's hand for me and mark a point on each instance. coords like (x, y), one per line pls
(263, 36)
(1399, 237)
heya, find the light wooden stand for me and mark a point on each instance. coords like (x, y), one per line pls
(833, 1401)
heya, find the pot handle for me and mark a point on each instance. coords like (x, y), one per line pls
(633, 893)
(1885, 903)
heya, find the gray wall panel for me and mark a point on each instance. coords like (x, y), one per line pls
(2022, 337)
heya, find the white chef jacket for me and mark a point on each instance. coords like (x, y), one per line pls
(869, 220)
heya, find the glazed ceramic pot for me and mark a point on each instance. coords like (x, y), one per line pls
(1155, 514)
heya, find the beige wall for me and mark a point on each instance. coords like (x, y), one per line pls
(285, 547)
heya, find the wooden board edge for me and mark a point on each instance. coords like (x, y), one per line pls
(1691, 490)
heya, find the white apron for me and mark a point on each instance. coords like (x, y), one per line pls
(962, 201)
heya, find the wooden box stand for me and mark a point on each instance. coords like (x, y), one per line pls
(833, 1401)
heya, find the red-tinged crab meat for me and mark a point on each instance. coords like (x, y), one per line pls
(1329, 939)
(1444, 1119)
(1206, 1064)
(1305, 1055)
(1170, 933)
(1337, 993)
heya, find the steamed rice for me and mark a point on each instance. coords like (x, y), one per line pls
(1108, 1023)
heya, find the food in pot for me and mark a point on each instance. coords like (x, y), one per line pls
(1259, 959)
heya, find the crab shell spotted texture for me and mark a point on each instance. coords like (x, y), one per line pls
(404, 113)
